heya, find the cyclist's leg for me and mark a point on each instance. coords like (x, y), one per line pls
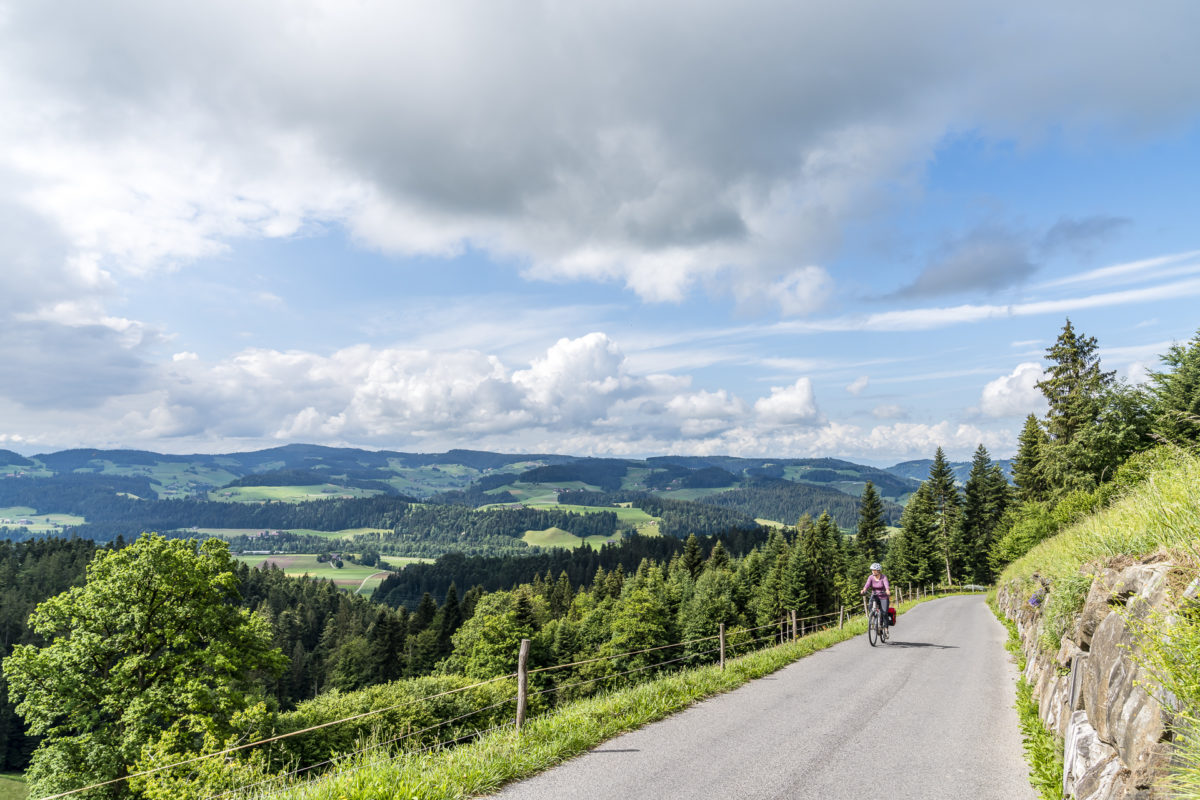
(883, 612)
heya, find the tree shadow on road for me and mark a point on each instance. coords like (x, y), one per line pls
(923, 644)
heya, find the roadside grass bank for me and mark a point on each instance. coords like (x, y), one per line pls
(1159, 515)
(503, 756)
(1043, 750)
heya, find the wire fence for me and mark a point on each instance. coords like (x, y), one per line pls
(730, 642)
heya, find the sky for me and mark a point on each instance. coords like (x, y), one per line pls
(763, 229)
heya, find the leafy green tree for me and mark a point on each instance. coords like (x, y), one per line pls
(1175, 394)
(487, 645)
(154, 640)
(871, 527)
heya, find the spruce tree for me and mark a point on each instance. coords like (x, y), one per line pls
(871, 526)
(984, 499)
(1027, 471)
(1075, 388)
(943, 494)
(692, 560)
(719, 558)
(1175, 395)
(917, 558)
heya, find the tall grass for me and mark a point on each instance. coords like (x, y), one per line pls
(1161, 513)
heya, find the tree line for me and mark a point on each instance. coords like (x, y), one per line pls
(1098, 436)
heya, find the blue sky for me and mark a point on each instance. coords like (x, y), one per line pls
(597, 228)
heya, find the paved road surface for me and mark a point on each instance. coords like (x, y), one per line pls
(928, 716)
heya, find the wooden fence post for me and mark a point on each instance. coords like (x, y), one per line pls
(522, 682)
(721, 633)
(793, 624)
(841, 617)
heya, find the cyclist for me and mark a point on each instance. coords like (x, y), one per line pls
(881, 591)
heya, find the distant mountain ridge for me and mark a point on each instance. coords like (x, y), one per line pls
(427, 474)
(919, 469)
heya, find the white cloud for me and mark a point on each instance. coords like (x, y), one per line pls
(889, 411)
(857, 386)
(1015, 394)
(789, 404)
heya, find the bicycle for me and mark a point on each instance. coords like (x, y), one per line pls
(876, 630)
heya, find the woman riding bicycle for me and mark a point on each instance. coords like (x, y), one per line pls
(881, 591)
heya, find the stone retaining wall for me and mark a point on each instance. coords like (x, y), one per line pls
(1116, 735)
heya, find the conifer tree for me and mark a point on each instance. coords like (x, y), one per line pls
(984, 499)
(1075, 388)
(943, 494)
(692, 559)
(1027, 471)
(871, 527)
(719, 557)
(1175, 394)
(916, 558)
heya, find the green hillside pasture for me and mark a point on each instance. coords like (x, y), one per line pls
(42, 523)
(544, 494)
(346, 533)
(350, 577)
(627, 516)
(287, 494)
(557, 537)
(12, 786)
(172, 479)
(694, 494)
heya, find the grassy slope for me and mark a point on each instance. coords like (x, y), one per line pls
(1161, 514)
(557, 537)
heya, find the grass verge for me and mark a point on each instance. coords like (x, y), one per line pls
(12, 786)
(500, 757)
(1043, 750)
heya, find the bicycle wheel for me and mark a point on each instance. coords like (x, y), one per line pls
(873, 627)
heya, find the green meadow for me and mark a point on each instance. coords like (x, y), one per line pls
(12, 786)
(557, 537)
(42, 523)
(287, 494)
(351, 577)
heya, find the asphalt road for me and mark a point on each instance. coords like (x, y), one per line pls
(925, 717)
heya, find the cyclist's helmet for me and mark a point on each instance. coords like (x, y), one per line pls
(876, 566)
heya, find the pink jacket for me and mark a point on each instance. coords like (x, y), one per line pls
(879, 586)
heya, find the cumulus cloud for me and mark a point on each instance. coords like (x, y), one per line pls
(789, 405)
(1015, 394)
